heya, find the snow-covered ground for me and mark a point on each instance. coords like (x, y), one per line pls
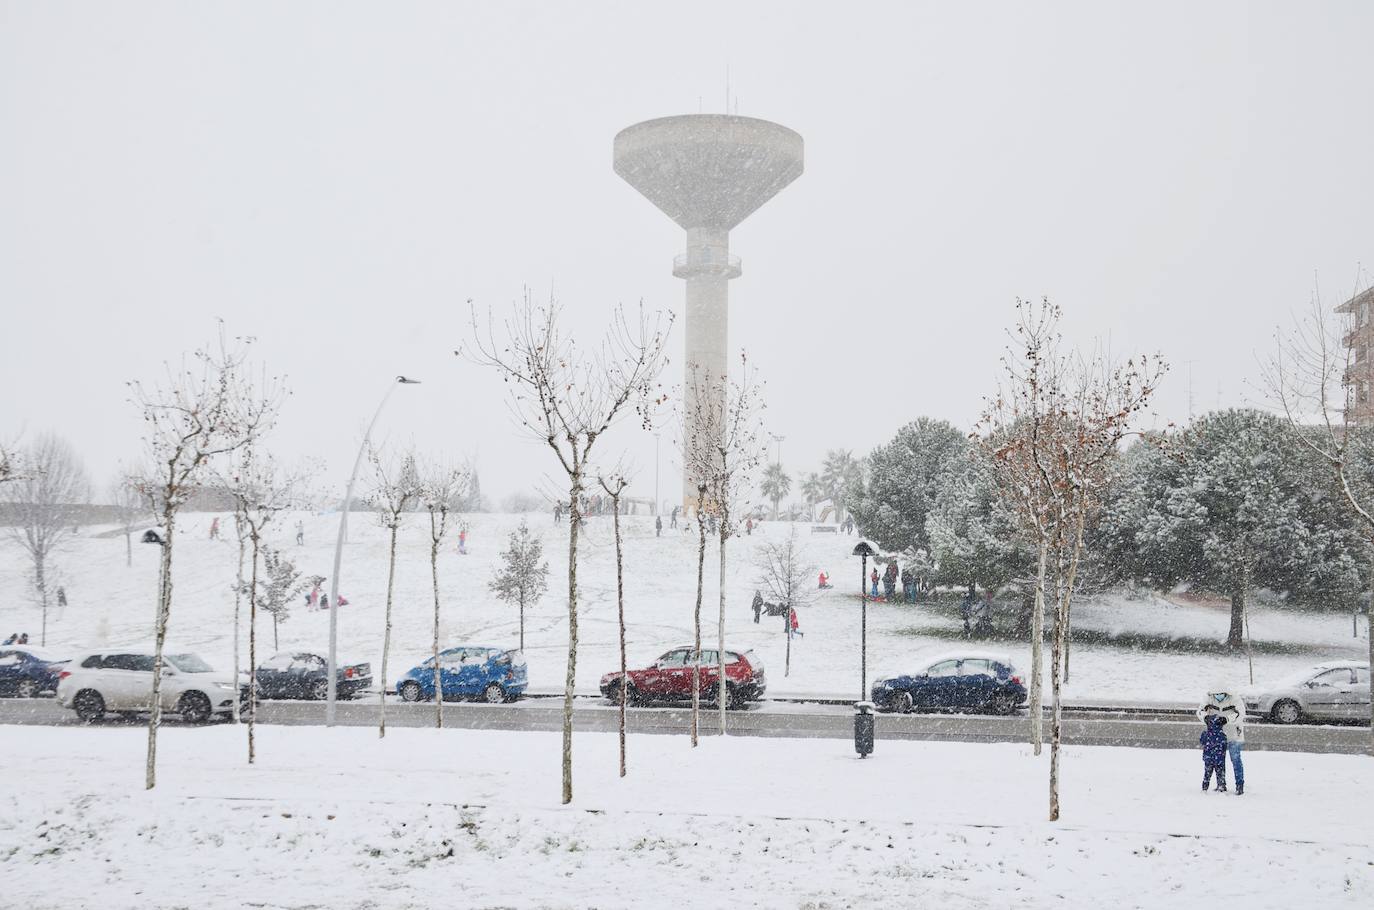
(336, 818)
(110, 603)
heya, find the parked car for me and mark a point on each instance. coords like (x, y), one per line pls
(121, 680)
(304, 675)
(966, 681)
(493, 674)
(25, 671)
(669, 679)
(1336, 690)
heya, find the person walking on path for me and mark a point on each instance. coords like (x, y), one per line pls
(966, 612)
(1222, 701)
(1213, 741)
(61, 597)
(300, 533)
(558, 513)
(758, 606)
(792, 626)
(672, 519)
(214, 529)
(658, 526)
(749, 527)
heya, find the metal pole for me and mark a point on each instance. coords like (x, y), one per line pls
(863, 628)
(331, 698)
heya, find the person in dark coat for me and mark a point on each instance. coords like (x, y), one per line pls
(1213, 741)
(658, 526)
(61, 596)
(758, 606)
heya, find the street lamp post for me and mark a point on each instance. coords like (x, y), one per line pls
(862, 549)
(331, 698)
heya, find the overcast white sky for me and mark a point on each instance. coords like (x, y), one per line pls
(339, 178)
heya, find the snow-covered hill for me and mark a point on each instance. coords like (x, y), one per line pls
(111, 603)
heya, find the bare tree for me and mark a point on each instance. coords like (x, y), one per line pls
(204, 409)
(129, 509)
(1322, 377)
(614, 487)
(261, 491)
(568, 398)
(440, 485)
(788, 580)
(396, 487)
(44, 502)
(726, 444)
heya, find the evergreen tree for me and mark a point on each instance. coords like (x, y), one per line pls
(903, 480)
(523, 576)
(973, 534)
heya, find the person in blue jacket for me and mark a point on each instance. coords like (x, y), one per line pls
(1213, 741)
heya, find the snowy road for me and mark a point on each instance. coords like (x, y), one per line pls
(1155, 729)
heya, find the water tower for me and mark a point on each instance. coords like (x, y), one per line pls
(707, 172)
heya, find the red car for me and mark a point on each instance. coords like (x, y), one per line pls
(670, 678)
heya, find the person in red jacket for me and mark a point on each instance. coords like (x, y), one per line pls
(792, 628)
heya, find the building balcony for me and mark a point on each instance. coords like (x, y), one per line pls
(701, 262)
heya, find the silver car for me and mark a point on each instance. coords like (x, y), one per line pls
(1336, 690)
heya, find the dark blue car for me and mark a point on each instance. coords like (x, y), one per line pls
(468, 671)
(25, 671)
(967, 681)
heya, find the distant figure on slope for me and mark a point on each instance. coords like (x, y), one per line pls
(658, 526)
(214, 528)
(300, 533)
(823, 581)
(61, 596)
(792, 626)
(672, 523)
(966, 612)
(749, 527)
(1213, 742)
(558, 513)
(758, 605)
(463, 541)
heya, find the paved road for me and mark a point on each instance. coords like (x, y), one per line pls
(1165, 730)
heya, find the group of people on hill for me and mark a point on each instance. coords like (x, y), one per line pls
(889, 578)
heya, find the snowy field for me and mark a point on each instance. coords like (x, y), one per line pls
(110, 603)
(337, 818)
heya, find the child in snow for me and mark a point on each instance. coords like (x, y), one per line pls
(1214, 752)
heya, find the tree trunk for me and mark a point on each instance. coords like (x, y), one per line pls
(620, 609)
(574, 519)
(238, 600)
(41, 582)
(438, 671)
(1038, 651)
(1245, 617)
(386, 635)
(164, 610)
(253, 649)
(696, 618)
(275, 616)
(1056, 717)
(722, 687)
(1235, 638)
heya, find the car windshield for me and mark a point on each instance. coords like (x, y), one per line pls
(189, 663)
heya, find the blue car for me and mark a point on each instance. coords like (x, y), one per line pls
(25, 671)
(468, 671)
(966, 681)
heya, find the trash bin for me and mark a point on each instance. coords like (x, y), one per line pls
(863, 728)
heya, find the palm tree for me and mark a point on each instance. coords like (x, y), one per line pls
(841, 473)
(776, 485)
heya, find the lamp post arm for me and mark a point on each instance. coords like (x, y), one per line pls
(331, 698)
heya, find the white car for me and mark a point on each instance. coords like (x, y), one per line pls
(121, 680)
(1336, 690)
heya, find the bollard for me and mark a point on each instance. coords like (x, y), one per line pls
(863, 728)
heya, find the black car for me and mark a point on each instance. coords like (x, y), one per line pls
(303, 675)
(25, 671)
(966, 681)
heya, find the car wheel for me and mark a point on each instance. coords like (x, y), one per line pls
(410, 691)
(631, 696)
(1003, 705)
(320, 690)
(194, 708)
(734, 699)
(1286, 711)
(902, 703)
(493, 694)
(89, 705)
(27, 688)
